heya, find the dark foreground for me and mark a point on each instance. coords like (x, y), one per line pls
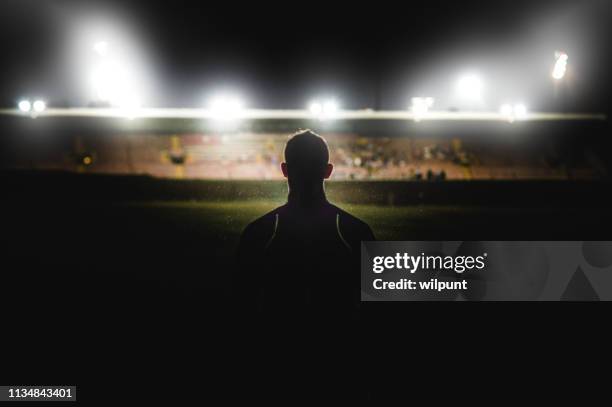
(82, 275)
(93, 239)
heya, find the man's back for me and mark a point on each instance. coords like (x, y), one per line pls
(321, 229)
(302, 256)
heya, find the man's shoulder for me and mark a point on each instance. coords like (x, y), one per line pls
(348, 217)
(261, 228)
(263, 224)
(352, 223)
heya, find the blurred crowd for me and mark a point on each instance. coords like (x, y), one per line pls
(258, 156)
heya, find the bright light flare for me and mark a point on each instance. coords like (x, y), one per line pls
(225, 107)
(330, 107)
(560, 65)
(420, 106)
(25, 106)
(324, 110)
(101, 48)
(111, 82)
(513, 112)
(130, 106)
(470, 87)
(39, 106)
(114, 74)
(506, 110)
(315, 108)
(520, 111)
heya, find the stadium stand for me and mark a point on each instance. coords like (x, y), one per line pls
(256, 156)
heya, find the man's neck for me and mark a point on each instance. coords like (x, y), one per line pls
(307, 195)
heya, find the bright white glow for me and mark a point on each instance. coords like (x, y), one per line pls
(469, 87)
(316, 108)
(506, 110)
(513, 112)
(226, 107)
(25, 106)
(324, 110)
(520, 111)
(101, 48)
(420, 106)
(560, 65)
(39, 106)
(330, 107)
(130, 106)
(112, 82)
(109, 62)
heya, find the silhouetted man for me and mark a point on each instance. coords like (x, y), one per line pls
(304, 255)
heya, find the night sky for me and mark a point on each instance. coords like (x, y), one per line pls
(281, 55)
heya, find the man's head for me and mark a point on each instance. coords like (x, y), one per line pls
(306, 158)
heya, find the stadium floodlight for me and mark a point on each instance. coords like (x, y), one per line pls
(324, 110)
(114, 80)
(24, 106)
(520, 111)
(560, 65)
(316, 108)
(129, 105)
(111, 82)
(469, 87)
(506, 109)
(420, 106)
(330, 107)
(39, 106)
(513, 112)
(226, 107)
(101, 48)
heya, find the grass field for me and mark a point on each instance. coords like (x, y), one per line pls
(183, 229)
(388, 222)
(179, 249)
(140, 240)
(146, 260)
(225, 220)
